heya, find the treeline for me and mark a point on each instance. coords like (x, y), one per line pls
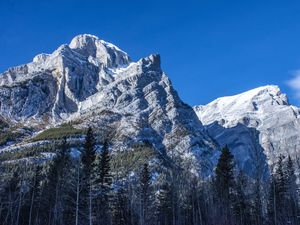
(85, 191)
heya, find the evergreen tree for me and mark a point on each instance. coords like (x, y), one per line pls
(257, 216)
(280, 191)
(224, 183)
(34, 194)
(121, 213)
(87, 161)
(271, 207)
(89, 154)
(145, 182)
(102, 184)
(164, 210)
(55, 189)
(240, 204)
(277, 194)
(291, 197)
(11, 193)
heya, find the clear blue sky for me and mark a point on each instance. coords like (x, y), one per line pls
(209, 48)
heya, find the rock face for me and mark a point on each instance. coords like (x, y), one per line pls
(52, 86)
(258, 126)
(92, 82)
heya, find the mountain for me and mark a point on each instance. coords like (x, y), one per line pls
(90, 82)
(257, 125)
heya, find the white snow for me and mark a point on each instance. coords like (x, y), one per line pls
(255, 124)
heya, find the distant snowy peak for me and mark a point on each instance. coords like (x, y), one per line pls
(256, 124)
(250, 108)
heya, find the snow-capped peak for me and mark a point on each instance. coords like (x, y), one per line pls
(256, 103)
(257, 125)
(105, 52)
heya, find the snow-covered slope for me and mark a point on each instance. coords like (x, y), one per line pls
(257, 124)
(92, 82)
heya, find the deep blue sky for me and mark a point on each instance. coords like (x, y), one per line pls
(209, 48)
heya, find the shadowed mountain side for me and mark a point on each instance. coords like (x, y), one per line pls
(249, 157)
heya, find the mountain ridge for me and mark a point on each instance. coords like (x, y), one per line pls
(93, 83)
(264, 112)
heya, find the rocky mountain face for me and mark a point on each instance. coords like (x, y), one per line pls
(257, 125)
(90, 82)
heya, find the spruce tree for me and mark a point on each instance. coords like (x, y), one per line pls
(280, 190)
(101, 182)
(164, 211)
(291, 192)
(87, 161)
(89, 154)
(56, 186)
(277, 194)
(240, 203)
(271, 205)
(257, 215)
(145, 182)
(121, 212)
(35, 194)
(224, 183)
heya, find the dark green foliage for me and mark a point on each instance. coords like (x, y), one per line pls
(65, 130)
(120, 209)
(283, 206)
(104, 170)
(89, 153)
(101, 182)
(145, 191)
(164, 210)
(224, 180)
(257, 213)
(56, 186)
(291, 196)
(224, 185)
(88, 156)
(240, 204)
(131, 160)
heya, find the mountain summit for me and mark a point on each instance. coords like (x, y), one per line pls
(258, 125)
(91, 82)
(53, 85)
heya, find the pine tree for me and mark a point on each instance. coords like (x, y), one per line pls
(240, 204)
(257, 215)
(89, 154)
(35, 194)
(102, 181)
(277, 194)
(121, 213)
(164, 211)
(11, 190)
(55, 188)
(291, 192)
(280, 190)
(271, 207)
(145, 182)
(87, 161)
(224, 183)
(105, 176)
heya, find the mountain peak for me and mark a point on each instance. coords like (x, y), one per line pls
(259, 102)
(105, 52)
(269, 92)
